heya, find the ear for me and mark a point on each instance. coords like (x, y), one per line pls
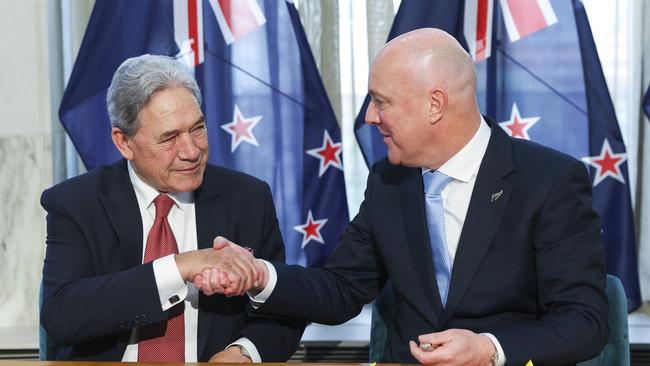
(437, 105)
(121, 142)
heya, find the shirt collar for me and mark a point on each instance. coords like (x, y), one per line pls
(145, 193)
(465, 163)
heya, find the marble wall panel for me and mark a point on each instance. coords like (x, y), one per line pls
(25, 167)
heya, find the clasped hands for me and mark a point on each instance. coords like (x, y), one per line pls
(226, 269)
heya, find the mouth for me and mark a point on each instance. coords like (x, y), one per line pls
(191, 170)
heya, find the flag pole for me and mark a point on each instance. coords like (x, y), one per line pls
(491, 67)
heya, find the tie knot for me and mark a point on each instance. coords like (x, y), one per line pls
(435, 182)
(163, 205)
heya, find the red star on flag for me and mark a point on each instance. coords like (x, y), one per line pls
(607, 164)
(311, 230)
(329, 154)
(241, 129)
(517, 126)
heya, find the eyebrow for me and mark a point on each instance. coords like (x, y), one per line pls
(375, 95)
(167, 134)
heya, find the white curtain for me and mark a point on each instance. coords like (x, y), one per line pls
(320, 18)
(68, 20)
(342, 35)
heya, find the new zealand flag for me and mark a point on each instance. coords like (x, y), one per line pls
(539, 75)
(264, 102)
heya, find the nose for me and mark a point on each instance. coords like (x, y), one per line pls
(372, 114)
(187, 149)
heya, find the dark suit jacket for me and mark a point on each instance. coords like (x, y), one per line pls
(529, 267)
(96, 290)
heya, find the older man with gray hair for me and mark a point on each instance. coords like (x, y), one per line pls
(124, 240)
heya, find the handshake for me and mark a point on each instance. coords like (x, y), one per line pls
(226, 269)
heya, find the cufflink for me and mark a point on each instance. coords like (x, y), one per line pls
(174, 299)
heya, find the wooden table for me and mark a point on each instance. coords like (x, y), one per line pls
(100, 363)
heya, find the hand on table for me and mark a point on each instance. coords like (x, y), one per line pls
(453, 347)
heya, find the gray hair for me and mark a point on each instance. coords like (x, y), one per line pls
(135, 82)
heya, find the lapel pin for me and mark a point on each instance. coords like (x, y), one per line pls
(495, 196)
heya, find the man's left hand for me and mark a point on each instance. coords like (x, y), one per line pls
(453, 347)
(230, 355)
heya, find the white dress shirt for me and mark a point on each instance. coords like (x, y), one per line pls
(463, 169)
(182, 220)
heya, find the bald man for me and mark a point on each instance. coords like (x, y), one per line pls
(490, 242)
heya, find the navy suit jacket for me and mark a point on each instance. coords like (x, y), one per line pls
(529, 266)
(96, 289)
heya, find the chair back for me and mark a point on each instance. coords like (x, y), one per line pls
(45, 344)
(617, 349)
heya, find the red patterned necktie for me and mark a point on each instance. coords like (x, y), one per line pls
(163, 341)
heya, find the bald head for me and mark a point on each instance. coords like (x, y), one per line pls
(423, 97)
(428, 58)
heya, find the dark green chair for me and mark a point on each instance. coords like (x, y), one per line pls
(45, 344)
(616, 351)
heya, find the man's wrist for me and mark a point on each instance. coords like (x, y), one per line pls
(496, 356)
(258, 298)
(246, 357)
(264, 277)
(247, 349)
(492, 352)
(180, 264)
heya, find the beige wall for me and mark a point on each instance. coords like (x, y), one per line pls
(25, 164)
(25, 159)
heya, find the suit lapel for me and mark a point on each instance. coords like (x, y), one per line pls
(487, 206)
(412, 197)
(211, 220)
(121, 207)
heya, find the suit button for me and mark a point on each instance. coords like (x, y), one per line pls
(144, 318)
(122, 326)
(137, 319)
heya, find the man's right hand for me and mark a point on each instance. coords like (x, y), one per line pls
(217, 280)
(232, 269)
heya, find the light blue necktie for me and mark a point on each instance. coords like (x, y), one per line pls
(434, 183)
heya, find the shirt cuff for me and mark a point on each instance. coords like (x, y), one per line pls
(249, 347)
(501, 357)
(259, 299)
(171, 287)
